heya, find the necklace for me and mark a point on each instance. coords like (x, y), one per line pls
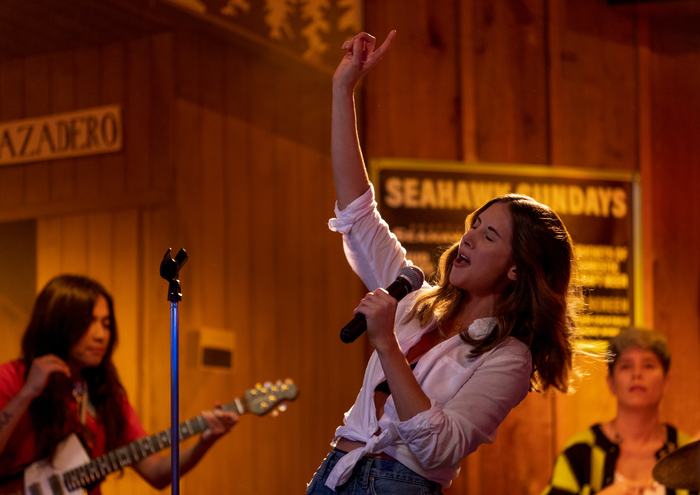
(80, 394)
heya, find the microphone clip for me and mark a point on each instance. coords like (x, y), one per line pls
(170, 271)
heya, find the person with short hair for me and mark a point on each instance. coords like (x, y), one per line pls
(617, 457)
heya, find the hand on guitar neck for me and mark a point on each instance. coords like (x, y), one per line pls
(219, 422)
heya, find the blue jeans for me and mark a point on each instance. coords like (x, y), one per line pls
(372, 477)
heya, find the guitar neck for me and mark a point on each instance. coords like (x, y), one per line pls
(117, 459)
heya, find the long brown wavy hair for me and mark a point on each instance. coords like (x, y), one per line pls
(538, 309)
(62, 314)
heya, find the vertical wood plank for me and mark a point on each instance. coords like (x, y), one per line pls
(239, 243)
(88, 65)
(11, 107)
(101, 252)
(12, 81)
(11, 186)
(287, 323)
(36, 103)
(210, 133)
(74, 244)
(113, 166)
(62, 99)
(593, 86)
(467, 82)
(124, 268)
(402, 121)
(263, 258)
(510, 88)
(48, 249)
(162, 96)
(188, 163)
(137, 114)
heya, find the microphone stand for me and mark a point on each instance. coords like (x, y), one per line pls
(169, 270)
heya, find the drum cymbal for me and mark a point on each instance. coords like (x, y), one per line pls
(680, 469)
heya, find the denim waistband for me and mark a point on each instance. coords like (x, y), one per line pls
(368, 468)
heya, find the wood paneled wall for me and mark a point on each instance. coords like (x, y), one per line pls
(227, 154)
(561, 83)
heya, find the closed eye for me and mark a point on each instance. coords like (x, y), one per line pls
(477, 223)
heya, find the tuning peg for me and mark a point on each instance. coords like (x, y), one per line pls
(267, 384)
(275, 413)
(258, 385)
(289, 381)
(282, 407)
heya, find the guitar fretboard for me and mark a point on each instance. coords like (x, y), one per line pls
(99, 468)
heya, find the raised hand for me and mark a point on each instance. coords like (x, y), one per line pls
(40, 371)
(360, 58)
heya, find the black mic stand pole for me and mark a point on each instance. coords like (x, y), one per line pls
(169, 270)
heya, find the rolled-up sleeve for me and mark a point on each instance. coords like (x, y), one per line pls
(374, 253)
(444, 435)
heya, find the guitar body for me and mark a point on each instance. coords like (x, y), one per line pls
(46, 478)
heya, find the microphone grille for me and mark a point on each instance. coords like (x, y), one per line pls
(414, 275)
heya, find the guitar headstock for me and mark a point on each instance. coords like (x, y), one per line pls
(264, 398)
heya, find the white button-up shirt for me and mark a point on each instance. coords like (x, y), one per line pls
(470, 396)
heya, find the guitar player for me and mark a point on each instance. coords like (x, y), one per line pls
(66, 383)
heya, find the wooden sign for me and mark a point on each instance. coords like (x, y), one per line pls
(84, 132)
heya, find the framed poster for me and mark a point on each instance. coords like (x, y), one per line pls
(426, 204)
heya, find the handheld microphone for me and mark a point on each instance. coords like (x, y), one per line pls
(410, 278)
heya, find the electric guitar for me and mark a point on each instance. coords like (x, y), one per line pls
(71, 470)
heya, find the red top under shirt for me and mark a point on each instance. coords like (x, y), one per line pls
(21, 447)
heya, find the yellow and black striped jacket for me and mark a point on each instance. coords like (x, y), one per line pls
(587, 464)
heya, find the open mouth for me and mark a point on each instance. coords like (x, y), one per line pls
(462, 260)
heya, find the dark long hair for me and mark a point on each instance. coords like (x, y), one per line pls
(539, 308)
(62, 314)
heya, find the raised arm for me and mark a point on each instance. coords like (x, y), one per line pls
(349, 172)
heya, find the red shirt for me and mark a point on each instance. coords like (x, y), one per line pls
(21, 448)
